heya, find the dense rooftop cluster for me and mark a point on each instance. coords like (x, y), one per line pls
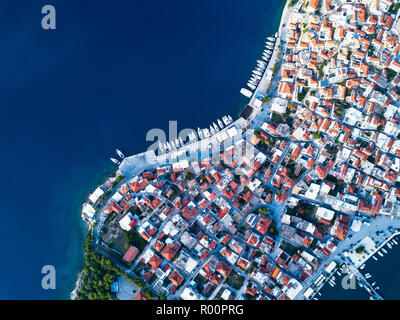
(262, 220)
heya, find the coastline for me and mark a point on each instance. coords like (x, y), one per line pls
(131, 165)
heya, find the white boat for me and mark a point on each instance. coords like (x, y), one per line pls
(173, 145)
(212, 131)
(177, 142)
(380, 253)
(221, 125)
(121, 155)
(225, 120)
(261, 62)
(230, 118)
(258, 73)
(384, 250)
(394, 240)
(389, 245)
(257, 77)
(271, 39)
(251, 86)
(373, 257)
(115, 160)
(247, 93)
(169, 146)
(199, 133)
(161, 147)
(373, 283)
(215, 127)
(181, 141)
(206, 133)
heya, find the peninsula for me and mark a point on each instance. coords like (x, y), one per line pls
(269, 206)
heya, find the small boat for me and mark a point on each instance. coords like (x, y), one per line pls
(389, 245)
(206, 133)
(394, 240)
(115, 161)
(181, 141)
(230, 118)
(373, 257)
(200, 134)
(373, 283)
(173, 145)
(251, 86)
(212, 131)
(177, 142)
(271, 39)
(380, 253)
(120, 154)
(161, 147)
(221, 125)
(225, 120)
(215, 127)
(169, 146)
(384, 251)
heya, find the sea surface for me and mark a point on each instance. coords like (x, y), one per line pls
(110, 72)
(385, 271)
(385, 278)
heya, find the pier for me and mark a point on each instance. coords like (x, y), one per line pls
(360, 277)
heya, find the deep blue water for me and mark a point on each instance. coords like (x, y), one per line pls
(111, 71)
(385, 272)
(385, 278)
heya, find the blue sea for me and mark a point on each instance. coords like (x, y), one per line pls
(384, 278)
(110, 72)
